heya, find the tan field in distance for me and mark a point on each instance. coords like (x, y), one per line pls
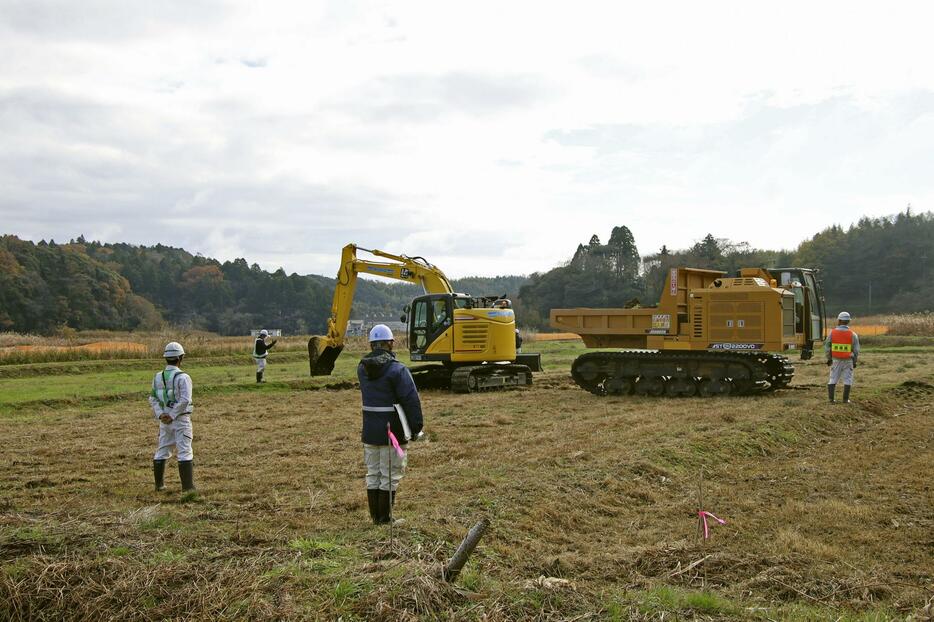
(20, 348)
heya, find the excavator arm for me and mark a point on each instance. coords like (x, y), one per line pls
(323, 350)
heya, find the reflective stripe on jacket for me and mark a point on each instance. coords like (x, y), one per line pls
(384, 381)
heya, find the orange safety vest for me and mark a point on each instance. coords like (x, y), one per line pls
(841, 343)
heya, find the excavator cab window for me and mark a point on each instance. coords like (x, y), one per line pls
(439, 312)
(431, 316)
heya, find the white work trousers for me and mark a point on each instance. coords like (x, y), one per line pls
(841, 368)
(260, 364)
(377, 459)
(177, 434)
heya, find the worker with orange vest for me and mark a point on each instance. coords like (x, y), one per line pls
(842, 350)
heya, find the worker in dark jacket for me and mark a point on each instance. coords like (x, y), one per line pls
(385, 383)
(261, 350)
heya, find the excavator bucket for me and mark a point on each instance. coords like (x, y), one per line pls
(322, 355)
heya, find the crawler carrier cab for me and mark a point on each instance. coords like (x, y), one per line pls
(709, 335)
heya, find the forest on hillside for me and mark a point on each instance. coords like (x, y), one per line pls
(89, 285)
(876, 265)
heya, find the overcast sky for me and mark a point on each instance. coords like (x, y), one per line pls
(489, 137)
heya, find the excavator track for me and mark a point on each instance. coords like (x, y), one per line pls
(471, 378)
(475, 378)
(431, 376)
(681, 374)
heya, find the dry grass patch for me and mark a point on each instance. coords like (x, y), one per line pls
(600, 492)
(105, 345)
(916, 324)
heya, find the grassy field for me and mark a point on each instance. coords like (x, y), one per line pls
(829, 509)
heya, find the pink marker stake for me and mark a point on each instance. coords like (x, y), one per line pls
(702, 517)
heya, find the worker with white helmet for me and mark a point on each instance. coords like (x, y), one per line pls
(387, 388)
(260, 352)
(842, 349)
(172, 406)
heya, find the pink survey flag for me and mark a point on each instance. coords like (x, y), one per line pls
(395, 442)
(702, 516)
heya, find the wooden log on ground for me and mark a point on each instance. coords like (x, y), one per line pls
(457, 561)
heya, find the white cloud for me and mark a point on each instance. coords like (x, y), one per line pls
(492, 136)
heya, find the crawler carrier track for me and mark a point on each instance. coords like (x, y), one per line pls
(681, 374)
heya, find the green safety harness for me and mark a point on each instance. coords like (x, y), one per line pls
(164, 398)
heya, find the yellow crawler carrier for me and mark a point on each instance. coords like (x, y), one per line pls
(468, 343)
(710, 334)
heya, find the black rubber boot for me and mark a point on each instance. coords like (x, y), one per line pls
(372, 500)
(158, 471)
(258, 377)
(385, 504)
(830, 391)
(186, 472)
(846, 394)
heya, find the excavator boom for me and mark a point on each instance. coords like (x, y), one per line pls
(323, 350)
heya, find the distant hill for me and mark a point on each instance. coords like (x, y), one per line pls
(877, 265)
(89, 285)
(43, 286)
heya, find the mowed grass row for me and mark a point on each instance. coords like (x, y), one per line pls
(828, 507)
(24, 385)
(73, 346)
(108, 380)
(135, 382)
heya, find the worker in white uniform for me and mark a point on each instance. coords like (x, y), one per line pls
(260, 352)
(171, 404)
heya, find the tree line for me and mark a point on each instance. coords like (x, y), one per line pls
(877, 265)
(86, 285)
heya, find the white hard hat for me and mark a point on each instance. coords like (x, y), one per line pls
(173, 350)
(264, 333)
(380, 332)
(844, 316)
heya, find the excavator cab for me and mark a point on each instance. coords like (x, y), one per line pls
(459, 328)
(431, 316)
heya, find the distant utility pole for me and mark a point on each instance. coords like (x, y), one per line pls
(870, 298)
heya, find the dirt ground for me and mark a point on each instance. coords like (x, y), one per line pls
(829, 509)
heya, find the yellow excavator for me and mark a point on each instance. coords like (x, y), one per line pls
(468, 343)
